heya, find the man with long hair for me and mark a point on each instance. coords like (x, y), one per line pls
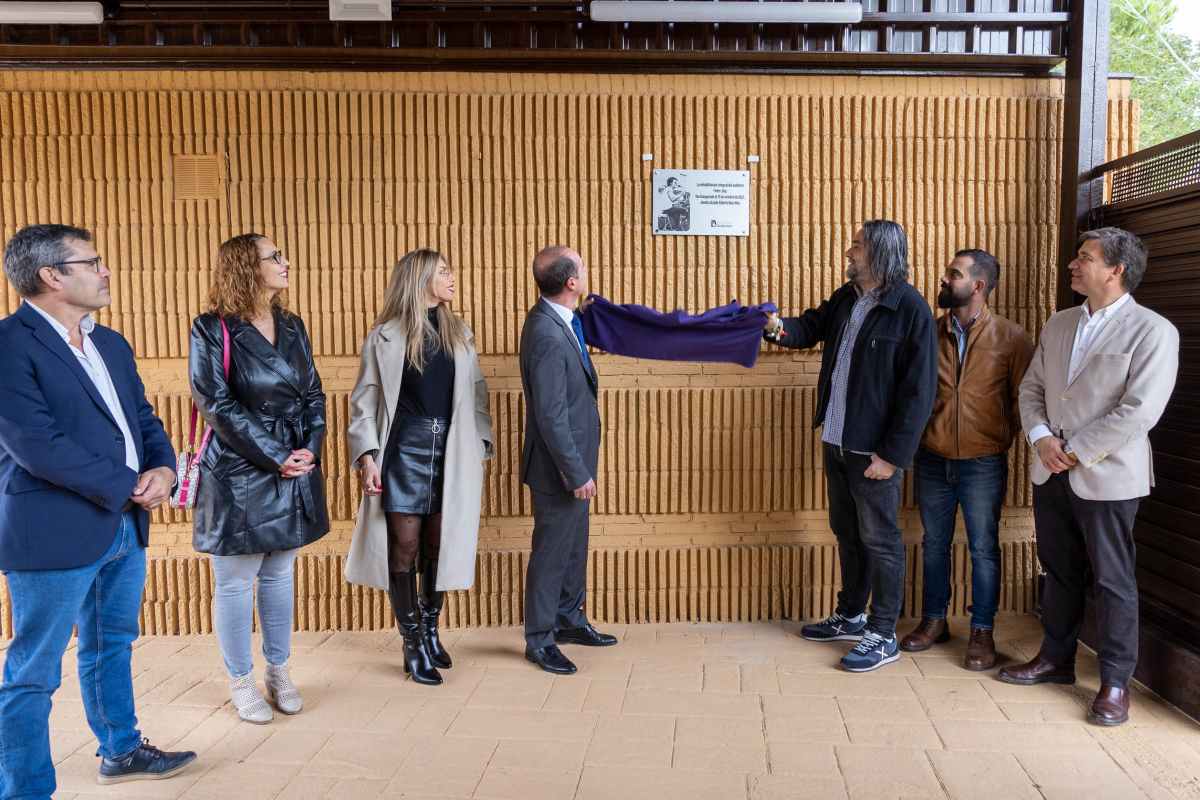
(874, 395)
(559, 460)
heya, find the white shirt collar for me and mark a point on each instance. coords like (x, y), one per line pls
(1108, 310)
(86, 325)
(562, 311)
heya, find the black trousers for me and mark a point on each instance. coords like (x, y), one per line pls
(1082, 542)
(555, 583)
(862, 514)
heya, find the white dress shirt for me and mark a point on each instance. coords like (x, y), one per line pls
(1090, 326)
(93, 364)
(567, 315)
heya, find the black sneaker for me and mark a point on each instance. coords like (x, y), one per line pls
(145, 763)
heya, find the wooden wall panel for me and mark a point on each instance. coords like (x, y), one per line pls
(705, 470)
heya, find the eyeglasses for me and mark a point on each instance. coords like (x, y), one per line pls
(277, 257)
(94, 264)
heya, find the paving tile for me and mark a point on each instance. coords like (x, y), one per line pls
(340, 708)
(398, 713)
(685, 704)
(828, 684)
(802, 758)
(618, 751)
(894, 734)
(874, 709)
(352, 754)
(956, 698)
(64, 742)
(497, 724)
(790, 787)
(722, 678)
(511, 689)
(806, 729)
(289, 747)
(875, 772)
(670, 676)
(1085, 774)
(1042, 693)
(640, 727)
(759, 679)
(567, 693)
(983, 776)
(554, 756)
(509, 783)
(1012, 736)
(605, 696)
(731, 757)
(243, 781)
(1044, 712)
(614, 783)
(446, 766)
(433, 718)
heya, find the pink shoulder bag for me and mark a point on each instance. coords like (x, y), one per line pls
(188, 466)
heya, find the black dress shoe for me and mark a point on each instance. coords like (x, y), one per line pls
(551, 659)
(587, 635)
(145, 763)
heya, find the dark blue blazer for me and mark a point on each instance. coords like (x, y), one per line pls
(63, 479)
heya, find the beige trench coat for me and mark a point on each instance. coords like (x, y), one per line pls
(469, 443)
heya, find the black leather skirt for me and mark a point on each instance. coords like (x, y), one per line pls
(413, 466)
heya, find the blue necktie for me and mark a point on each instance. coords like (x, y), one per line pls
(577, 326)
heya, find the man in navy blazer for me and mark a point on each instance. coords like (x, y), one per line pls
(83, 460)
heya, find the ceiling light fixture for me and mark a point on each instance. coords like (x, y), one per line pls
(360, 10)
(51, 13)
(720, 11)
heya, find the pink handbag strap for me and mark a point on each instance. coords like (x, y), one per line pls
(195, 412)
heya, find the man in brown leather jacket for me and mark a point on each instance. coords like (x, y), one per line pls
(963, 460)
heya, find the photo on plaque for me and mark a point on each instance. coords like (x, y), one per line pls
(701, 202)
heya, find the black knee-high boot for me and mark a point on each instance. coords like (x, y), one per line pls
(402, 589)
(431, 609)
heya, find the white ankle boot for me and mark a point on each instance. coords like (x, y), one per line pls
(248, 700)
(282, 691)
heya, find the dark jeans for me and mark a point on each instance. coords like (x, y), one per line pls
(103, 599)
(862, 513)
(978, 485)
(1079, 539)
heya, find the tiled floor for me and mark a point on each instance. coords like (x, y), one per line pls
(687, 712)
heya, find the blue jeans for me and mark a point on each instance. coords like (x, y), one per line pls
(978, 485)
(103, 599)
(233, 607)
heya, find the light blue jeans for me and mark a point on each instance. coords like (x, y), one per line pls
(233, 607)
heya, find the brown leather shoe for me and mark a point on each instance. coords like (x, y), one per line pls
(927, 633)
(981, 650)
(1037, 671)
(1111, 706)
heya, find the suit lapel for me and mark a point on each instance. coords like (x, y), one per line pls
(247, 337)
(1110, 330)
(390, 346)
(50, 338)
(570, 334)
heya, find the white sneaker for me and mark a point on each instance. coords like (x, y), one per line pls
(248, 700)
(282, 691)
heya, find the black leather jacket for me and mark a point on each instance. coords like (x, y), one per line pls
(272, 404)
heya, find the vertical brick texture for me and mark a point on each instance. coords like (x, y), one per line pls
(712, 497)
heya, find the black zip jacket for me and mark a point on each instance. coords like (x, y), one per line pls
(893, 368)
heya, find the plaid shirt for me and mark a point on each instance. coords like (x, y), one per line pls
(835, 413)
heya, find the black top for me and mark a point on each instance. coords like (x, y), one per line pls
(893, 369)
(429, 393)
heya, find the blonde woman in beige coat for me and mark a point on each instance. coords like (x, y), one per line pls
(419, 433)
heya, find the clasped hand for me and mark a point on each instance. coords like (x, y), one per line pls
(300, 462)
(153, 487)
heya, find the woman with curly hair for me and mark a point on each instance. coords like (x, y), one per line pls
(420, 430)
(261, 497)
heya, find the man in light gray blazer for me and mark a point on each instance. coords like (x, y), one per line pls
(1100, 379)
(558, 460)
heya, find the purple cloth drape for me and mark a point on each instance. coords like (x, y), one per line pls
(730, 333)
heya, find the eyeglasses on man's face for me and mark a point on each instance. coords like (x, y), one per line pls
(277, 257)
(94, 264)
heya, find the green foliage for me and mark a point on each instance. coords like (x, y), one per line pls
(1166, 66)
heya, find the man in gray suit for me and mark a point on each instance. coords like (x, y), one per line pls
(558, 461)
(1100, 379)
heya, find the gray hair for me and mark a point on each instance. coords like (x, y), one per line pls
(887, 252)
(1121, 247)
(34, 247)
